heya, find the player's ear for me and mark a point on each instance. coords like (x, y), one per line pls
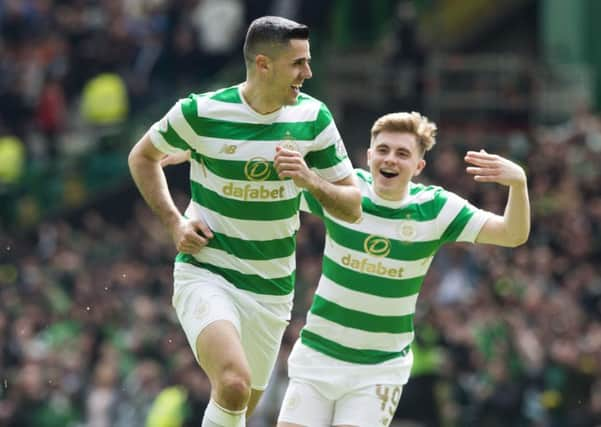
(420, 167)
(262, 62)
(369, 157)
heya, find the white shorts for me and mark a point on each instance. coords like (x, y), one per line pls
(201, 297)
(371, 406)
(334, 378)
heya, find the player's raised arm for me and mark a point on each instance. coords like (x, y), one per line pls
(511, 229)
(342, 199)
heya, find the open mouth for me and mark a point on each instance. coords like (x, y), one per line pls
(296, 88)
(388, 174)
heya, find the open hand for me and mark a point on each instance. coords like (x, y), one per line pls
(494, 168)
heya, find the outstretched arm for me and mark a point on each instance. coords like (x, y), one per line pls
(145, 162)
(511, 229)
(342, 199)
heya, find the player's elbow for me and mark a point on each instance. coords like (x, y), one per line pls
(350, 216)
(518, 240)
(354, 212)
(515, 243)
(349, 211)
(140, 157)
(523, 239)
(134, 159)
(354, 216)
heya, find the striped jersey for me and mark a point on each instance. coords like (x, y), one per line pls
(235, 188)
(372, 271)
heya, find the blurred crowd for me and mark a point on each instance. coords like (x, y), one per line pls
(505, 337)
(68, 66)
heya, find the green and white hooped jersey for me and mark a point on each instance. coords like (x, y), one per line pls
(235, 188)
(363, 308)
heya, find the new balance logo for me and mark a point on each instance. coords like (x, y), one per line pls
(228, 149)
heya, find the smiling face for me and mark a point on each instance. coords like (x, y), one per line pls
(394, 158)
(288, 70)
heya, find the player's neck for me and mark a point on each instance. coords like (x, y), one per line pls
(393, 198)
(255, 97)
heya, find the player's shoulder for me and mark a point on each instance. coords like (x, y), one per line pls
(418, 188)
(307, 101)
(423, 193)
(305, 97)
(228, 94)
(197, 103)
(363, 175)
(364, 181)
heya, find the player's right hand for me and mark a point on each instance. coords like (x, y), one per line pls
(494, 168)
(190, 236)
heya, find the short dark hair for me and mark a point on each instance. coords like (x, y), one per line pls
(270, 32)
